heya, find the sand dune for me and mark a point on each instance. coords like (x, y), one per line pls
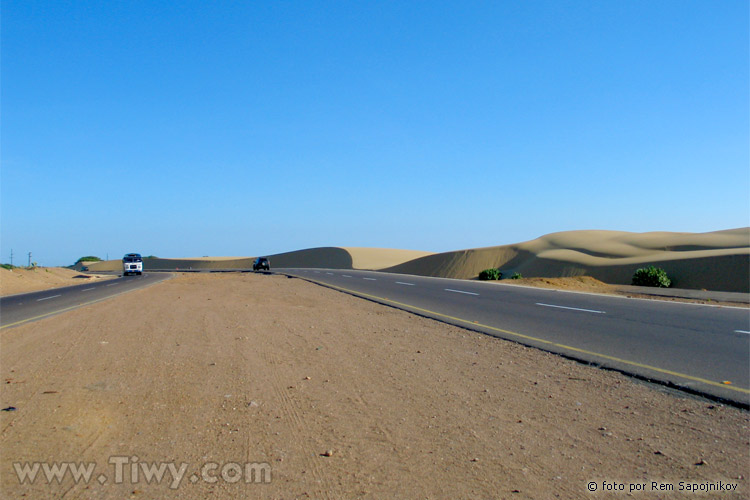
(345, 258)
(714, 261)
(717, 260)
(380, 258)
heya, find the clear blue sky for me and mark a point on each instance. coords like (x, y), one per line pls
(245, 128)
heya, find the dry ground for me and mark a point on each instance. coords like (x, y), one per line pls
(42, 278)
(343, 398)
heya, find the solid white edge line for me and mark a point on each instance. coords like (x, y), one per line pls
(459, 291)
(51, 297)
(571, 308)
(741, 331)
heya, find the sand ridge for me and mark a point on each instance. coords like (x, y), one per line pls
(715, 261)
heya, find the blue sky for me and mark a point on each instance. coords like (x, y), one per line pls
(246, 128)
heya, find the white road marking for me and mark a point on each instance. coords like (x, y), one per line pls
(87, 289)
(346, 276)
(460, 291)
(317, 272)
(330, 274)
(741, 331)
(403, 283)
(370, 279)
(571, 308)
(112, 284)
(47, 298)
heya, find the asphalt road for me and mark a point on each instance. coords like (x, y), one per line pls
(697, 348)
(18, 309)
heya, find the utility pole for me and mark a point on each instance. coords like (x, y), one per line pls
(11, 257)
(29, 260)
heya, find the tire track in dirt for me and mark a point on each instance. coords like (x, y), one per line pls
(290, 411)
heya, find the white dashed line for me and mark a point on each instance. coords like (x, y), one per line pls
(571, 308)
(370, 279)
(404, 283)
(87, 289)
(330, 274)
(112, 284)
(346, 276)
(460, 291)
(47, 298)
(741, 331)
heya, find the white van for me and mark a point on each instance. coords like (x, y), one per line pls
(132, 263)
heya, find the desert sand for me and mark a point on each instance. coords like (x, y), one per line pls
(718, 261)
(42, 278)
(341, 397)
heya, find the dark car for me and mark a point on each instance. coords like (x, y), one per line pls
(261, 263)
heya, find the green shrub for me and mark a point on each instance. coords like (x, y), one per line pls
(88, 258)
(8, 266)
(651, 276)
(490, 274)
(516, 276)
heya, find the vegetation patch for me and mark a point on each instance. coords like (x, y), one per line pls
(490, 274)
(652, 276)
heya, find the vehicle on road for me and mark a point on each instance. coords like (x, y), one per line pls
(132, 263)
(261, 263)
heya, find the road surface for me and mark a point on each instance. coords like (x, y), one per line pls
(22, 308)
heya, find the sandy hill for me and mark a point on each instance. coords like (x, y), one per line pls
(717, 260)
(346, 258)
(714, 261)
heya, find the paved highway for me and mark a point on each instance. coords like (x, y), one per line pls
(701, 349)
(18, 309)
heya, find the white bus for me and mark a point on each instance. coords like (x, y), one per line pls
(132, 263)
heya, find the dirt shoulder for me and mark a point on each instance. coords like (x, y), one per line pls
(21, 280)
(341, 397)
(592, 285)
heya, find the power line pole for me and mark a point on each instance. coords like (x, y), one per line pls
(29, 260)
(11, 257)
